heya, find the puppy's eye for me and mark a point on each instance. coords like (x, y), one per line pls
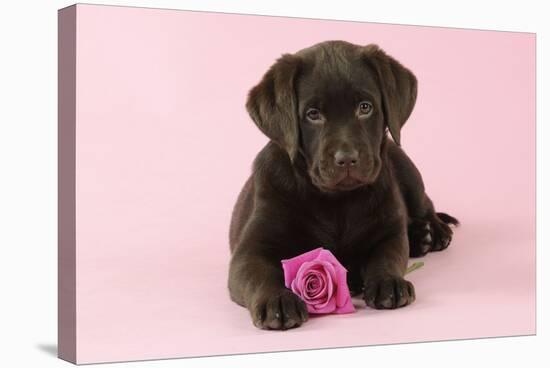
(313, 114)
(365, 108)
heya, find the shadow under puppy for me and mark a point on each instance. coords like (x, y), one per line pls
(331, 177)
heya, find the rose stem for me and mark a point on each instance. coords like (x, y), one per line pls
(413, 267)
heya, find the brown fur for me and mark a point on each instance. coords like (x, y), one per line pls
(369, 208)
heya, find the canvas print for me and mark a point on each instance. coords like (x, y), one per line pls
(237, 184)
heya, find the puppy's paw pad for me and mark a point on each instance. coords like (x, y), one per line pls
(420, 238)
(389, 293)
(431, 234)
(441, 231)
(279, 312)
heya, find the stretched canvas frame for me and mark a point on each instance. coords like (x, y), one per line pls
(143, 249)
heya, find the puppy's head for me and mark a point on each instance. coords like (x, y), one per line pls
(332, 103)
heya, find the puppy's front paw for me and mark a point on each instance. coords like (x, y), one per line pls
(431, 234)
(388, 293)
(279, 312)
(441, 230)
(420, 238)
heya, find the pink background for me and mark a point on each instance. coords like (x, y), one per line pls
(164, 144)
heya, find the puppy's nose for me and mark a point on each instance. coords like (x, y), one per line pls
(346, 158)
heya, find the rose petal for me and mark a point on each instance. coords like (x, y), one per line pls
(348, 307)
(313, 284)
(329, 269)
(324, 270)
(319, 286)
(294, 288)
(342, 292)
(320, 280)
(292, 265)
(329, 274)
(320, 297)
(300, 274)
(328, 307)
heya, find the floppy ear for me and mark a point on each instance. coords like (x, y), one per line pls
(272, 104)
(398, 87)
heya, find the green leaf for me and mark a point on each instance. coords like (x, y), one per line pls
(413, 267)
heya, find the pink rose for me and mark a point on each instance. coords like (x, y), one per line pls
(320, 281)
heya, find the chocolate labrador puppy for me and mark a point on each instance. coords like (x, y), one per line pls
(330, 176)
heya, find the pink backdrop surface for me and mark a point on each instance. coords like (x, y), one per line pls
(164, 144)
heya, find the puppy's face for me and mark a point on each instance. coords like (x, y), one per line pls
(341, 124)
(332, 103)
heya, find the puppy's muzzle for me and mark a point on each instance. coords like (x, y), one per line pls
(346, 159)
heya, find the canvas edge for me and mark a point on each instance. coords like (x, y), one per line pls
(66, 272)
